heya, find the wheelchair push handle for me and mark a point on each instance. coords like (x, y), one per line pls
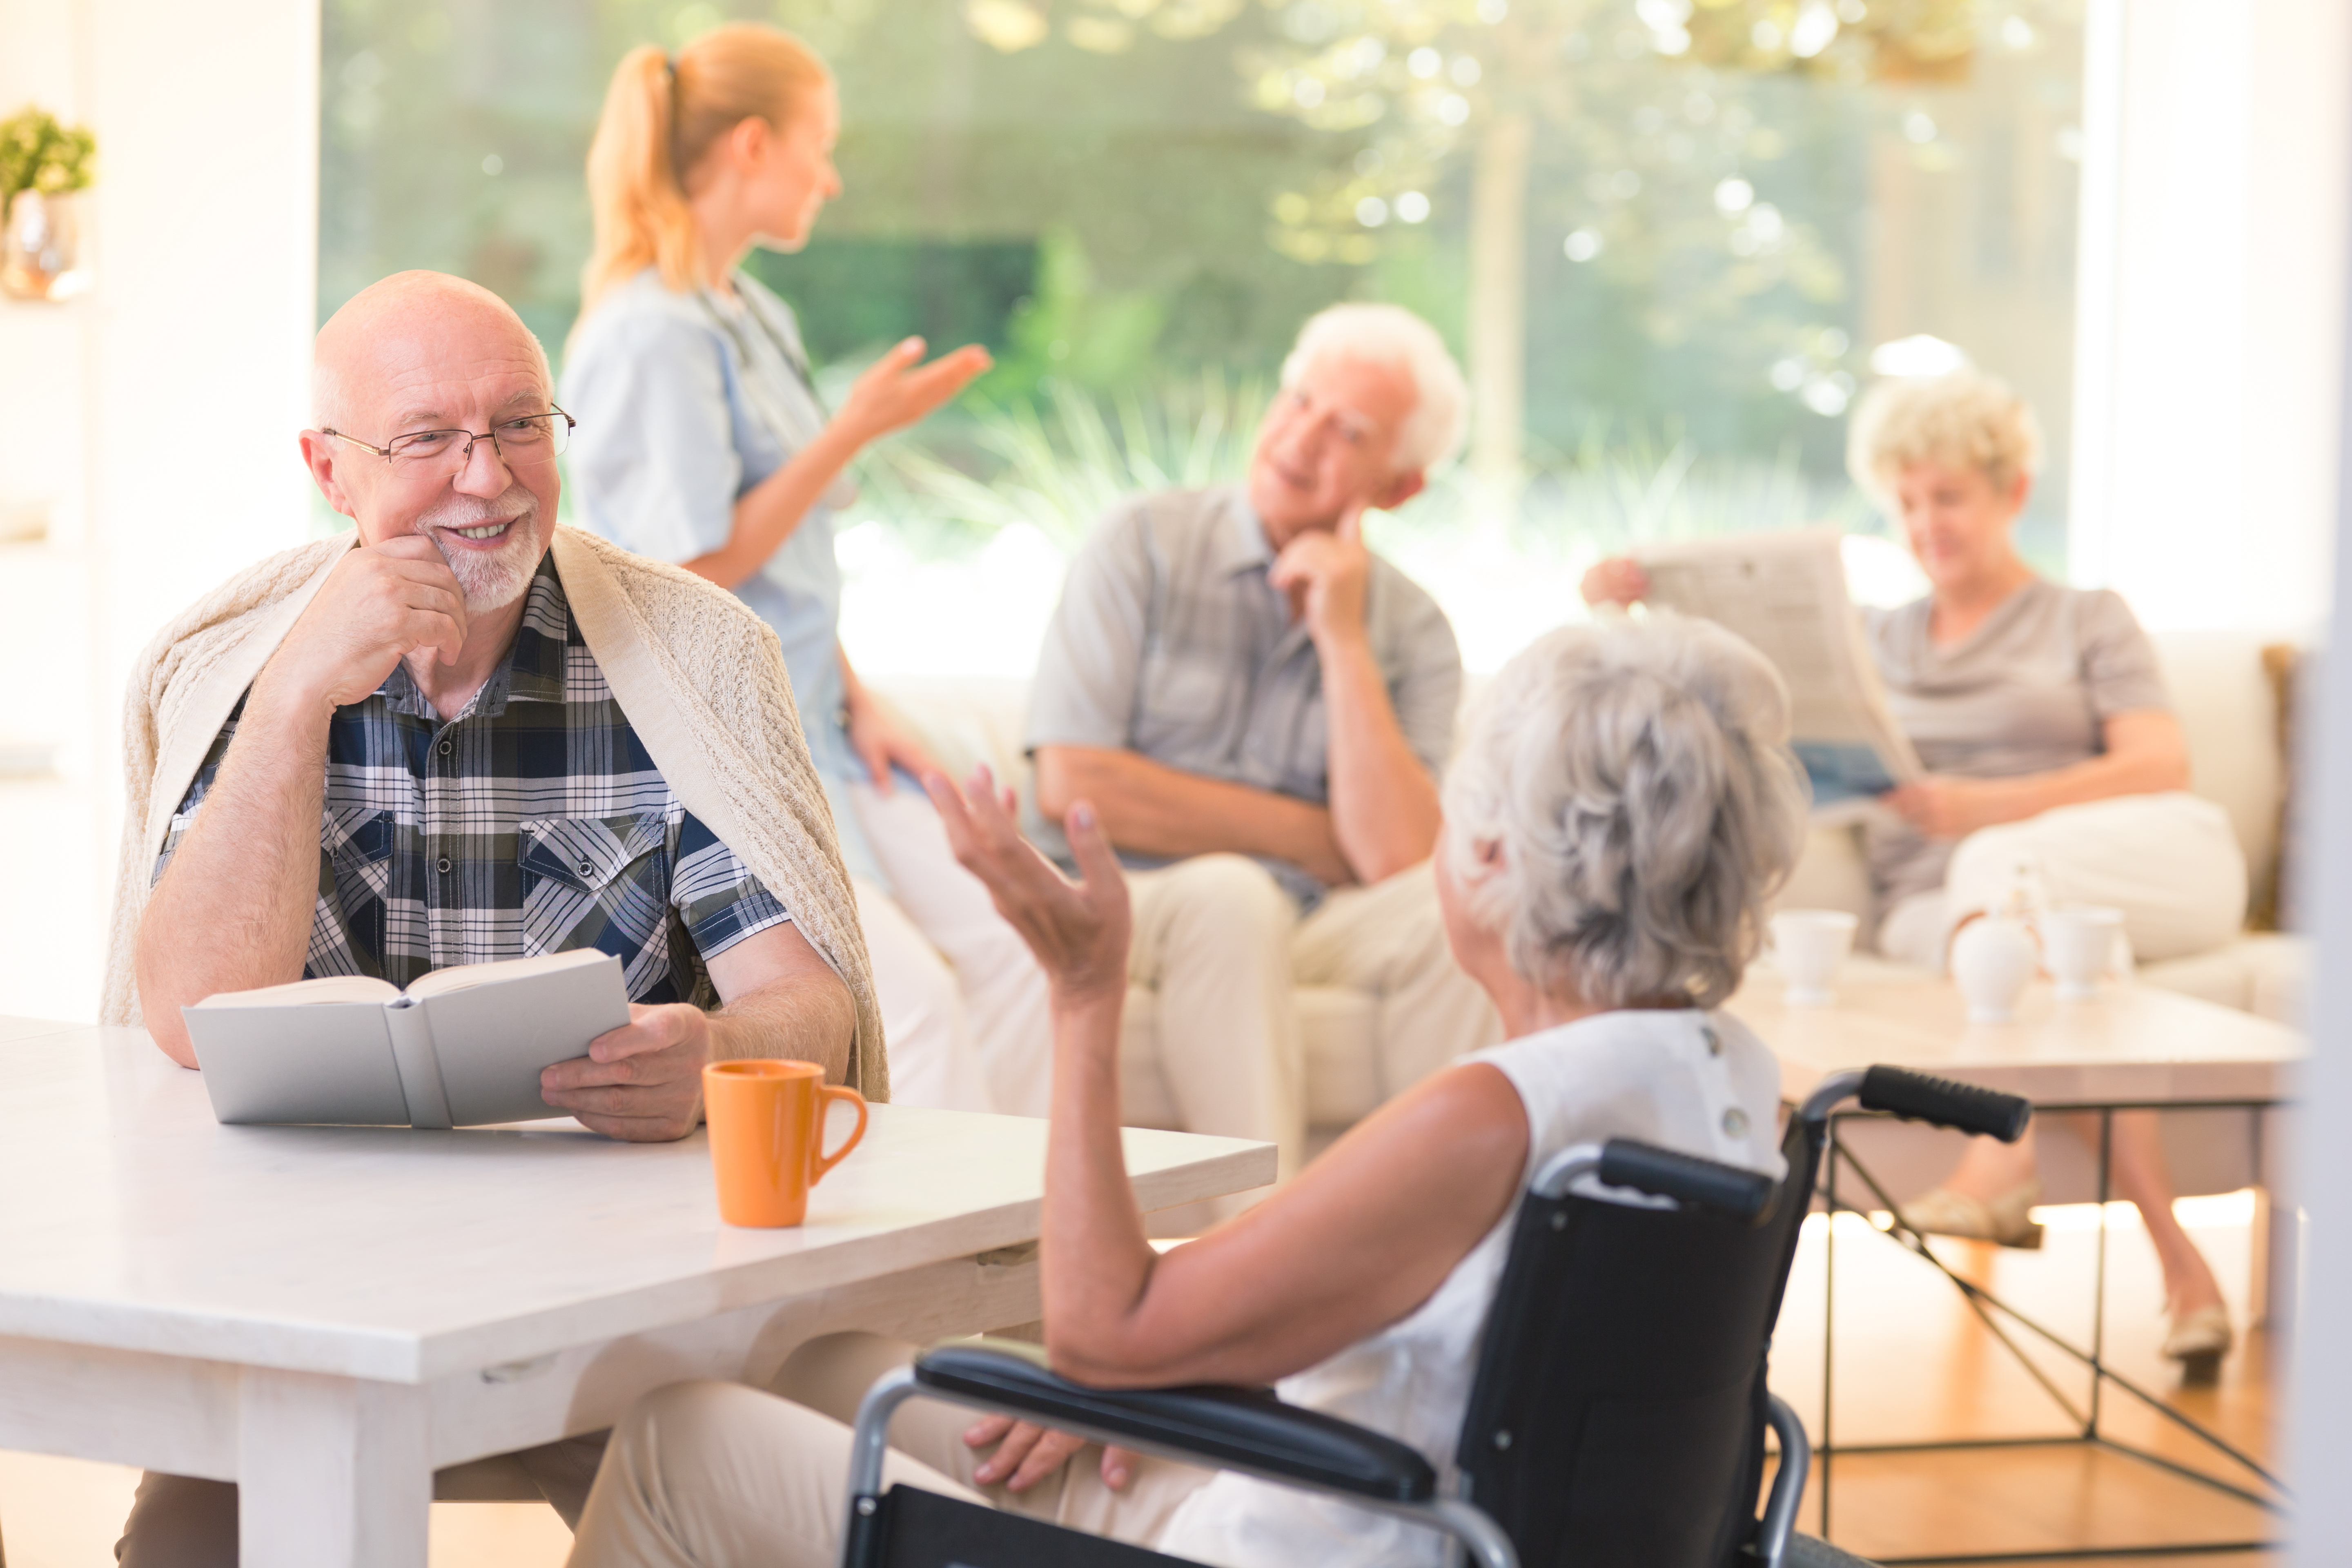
(1918, 1097)
(1726, 1189)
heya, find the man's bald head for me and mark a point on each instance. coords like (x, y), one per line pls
(391, 310)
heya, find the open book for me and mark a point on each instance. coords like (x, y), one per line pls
(1785, 593)
(461, 1047)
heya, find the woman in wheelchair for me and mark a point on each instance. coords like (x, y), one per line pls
(1623, 806)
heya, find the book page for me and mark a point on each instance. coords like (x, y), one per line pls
(490, 1040)
(281, 1063)
(1784, 594)
(463, 976)
(325, 991)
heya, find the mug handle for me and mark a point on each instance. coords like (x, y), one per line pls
(824, 1161)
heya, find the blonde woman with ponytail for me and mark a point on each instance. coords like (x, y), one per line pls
(703, 442)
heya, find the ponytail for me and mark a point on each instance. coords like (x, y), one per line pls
(661, 115)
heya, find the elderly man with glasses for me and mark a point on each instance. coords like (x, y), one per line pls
(467, 734)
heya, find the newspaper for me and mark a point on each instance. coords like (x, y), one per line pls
(1785, 593)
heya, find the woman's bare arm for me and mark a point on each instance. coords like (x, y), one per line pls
(1354, 1244)
(2145, 754)
(1358, 1241)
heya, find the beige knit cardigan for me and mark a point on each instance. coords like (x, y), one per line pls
(701, 677)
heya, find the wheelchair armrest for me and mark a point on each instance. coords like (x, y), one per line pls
(1918, 1097)
(1246, 1428)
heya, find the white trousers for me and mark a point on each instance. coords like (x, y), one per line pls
(963, 1003)
(2170, 862)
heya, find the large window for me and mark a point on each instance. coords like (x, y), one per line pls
(1670, 238)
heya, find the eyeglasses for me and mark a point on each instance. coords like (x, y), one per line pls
(526, 441)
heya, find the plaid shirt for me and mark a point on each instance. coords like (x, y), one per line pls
(533, 822)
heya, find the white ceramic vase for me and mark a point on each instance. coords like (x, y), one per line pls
(1992, 958)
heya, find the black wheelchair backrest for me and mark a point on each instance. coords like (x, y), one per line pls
(1650, 1455)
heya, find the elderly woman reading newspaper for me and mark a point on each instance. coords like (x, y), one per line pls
(2041, 716)
(1362, 1286)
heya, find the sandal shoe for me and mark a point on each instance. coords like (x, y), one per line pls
(2005, 1220)
(2200, 1340)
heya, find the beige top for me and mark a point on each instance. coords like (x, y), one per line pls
(2029, 691)
(699, 676)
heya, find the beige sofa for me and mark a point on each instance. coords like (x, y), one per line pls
(2225, 705)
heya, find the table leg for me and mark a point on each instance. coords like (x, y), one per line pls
(333, 1472)
(2277, 1230)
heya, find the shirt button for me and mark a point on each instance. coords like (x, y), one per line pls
(442, 865)
(447, 747)
(587, 869)
(1714, 1041)
(1734, 1122)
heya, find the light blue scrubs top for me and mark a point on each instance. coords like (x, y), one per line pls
(684, 402)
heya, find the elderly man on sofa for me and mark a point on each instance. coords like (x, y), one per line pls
(1258, 706)
(467, 734)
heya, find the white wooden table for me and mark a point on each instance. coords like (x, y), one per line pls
(2130, 1043)
(328, 1315)
(2128, 1046)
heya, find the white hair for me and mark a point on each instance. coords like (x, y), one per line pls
(1393, 335)
(1962, 419)
(330, 399)
(1637, 778)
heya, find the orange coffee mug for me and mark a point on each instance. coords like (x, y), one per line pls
(767, 1136)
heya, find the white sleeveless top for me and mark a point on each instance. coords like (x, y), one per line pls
(1699, 1083)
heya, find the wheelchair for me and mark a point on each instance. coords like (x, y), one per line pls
(1618, 1416)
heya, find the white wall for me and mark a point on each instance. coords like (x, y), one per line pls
(158, 410)
(2208, 389)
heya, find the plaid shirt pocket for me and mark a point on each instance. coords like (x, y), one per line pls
(596, 881)
(358, 844)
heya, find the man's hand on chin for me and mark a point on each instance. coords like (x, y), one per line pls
(642, 1083)
(1327, 576)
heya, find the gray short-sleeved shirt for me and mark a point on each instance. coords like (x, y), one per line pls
(2029, 691)
(1170, 642)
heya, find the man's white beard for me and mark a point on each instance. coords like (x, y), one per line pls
(495, 579)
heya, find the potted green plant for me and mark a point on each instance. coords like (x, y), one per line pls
(42, 164)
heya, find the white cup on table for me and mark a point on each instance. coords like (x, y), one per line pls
(2079, 945)
(1809, 945)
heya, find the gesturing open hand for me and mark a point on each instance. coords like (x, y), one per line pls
(1077, 929)
(897, 389)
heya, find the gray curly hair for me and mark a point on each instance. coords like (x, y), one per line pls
(1636, 776)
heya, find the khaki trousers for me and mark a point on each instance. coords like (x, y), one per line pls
(715, 1474)
(1222, 948)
